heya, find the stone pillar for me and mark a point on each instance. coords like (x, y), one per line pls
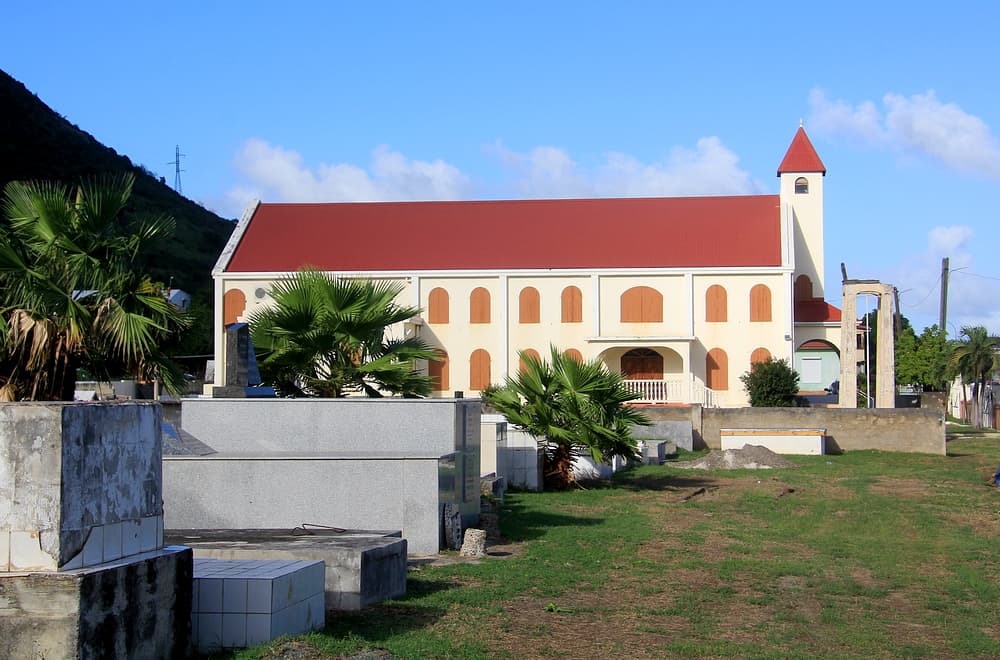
(885, 368)
(849, 348)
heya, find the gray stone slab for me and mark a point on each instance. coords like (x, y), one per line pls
(363, 567)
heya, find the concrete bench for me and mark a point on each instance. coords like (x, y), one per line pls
(780, 441)
(241, 603)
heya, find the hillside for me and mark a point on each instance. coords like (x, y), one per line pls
(38, 143)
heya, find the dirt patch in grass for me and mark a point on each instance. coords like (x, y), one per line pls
(908, 489)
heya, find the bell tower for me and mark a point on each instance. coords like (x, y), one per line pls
(801, 193)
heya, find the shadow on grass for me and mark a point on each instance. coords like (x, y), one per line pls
(520, 523)
(629, 480)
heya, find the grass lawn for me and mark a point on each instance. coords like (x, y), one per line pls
(866, 554)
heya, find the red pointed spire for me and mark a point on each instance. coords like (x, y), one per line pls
(801, 156)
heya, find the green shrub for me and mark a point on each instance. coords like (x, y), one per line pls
(771, 384)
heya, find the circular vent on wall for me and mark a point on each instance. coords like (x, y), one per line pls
(259, 293)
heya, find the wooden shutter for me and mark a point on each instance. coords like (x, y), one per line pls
(642, 304)
(437, 370)
(759, 355)
(572, 305)
(760, 303)
(522, 365)
(715, 304)
(717, 370)
(437, 306)
(529, 304)
(234, 303)
(479, 306)
(479, 370)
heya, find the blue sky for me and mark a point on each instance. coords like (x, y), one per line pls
(307, 101)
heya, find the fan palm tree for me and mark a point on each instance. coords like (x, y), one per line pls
(974, 358)
(72, 297)
(326, 336)
(573, 407)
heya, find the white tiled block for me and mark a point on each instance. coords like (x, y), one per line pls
(259, 596)
(5, 550)
(112, 542)
(26, 552)
(131, 545)
(147, 534)
(234, 630)
(234, 595)
(93, 547)
(210, 595)
(258, 629)
(209, 632)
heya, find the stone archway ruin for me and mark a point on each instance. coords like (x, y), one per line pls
(885, 366)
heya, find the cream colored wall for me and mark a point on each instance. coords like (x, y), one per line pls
(808, 216)
(738, 336)
(550, 329)
(459, 337)
(676, 305)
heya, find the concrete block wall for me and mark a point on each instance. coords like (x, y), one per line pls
(916, 430)
(351, 463)
(80, 484)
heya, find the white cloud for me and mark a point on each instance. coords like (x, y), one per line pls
(276, 174)
(708, 169)
(919, 124)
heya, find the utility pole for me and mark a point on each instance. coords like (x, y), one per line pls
(944, 295)
(176, 162)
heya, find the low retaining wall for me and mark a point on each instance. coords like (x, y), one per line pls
(918, 430)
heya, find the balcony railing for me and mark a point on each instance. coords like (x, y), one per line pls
(672, 390)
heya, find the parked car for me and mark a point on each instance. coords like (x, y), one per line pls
(834, 388)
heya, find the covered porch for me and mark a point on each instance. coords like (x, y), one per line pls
(658, 372)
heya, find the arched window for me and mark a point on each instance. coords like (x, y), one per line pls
(760, 303)
(573, 354)
(802, 186)
(529, 352)
(572, 305)
(234, 303)
(479, 370)
(715, 304)
(803, 288)
(642, 304)
(479, 306)
(717, 370)
(642, 364)
(437, 370)
(528, 303)
(759, 355)
(437, 306)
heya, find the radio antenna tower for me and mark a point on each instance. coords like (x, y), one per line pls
(176, 162)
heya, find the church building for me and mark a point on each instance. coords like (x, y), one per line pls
(679, 294)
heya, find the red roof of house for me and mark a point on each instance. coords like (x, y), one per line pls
(685, 232)
(816, 310)
(801, 156)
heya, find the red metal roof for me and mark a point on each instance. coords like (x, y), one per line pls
(801, 156)
(683, 232)
(816, 310)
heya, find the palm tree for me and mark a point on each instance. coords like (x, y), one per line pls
(974, 358)
(72, 297)
(573, 408)
(326, 336)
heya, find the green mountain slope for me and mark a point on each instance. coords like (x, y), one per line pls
(38, 143)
